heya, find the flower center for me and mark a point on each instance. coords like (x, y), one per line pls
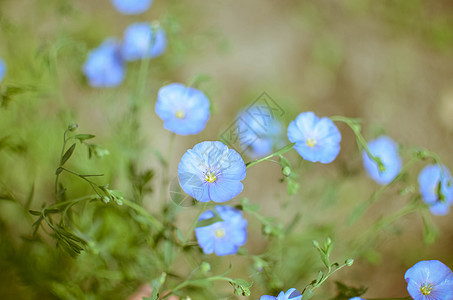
(311, 142)
(426, 289)
(219, 232)
(180, 114)
(210, 177)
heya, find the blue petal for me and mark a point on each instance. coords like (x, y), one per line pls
(266, 297)
(141, 40)
(2, 69)
(132, 7)
(426, 272)
(386, 149)
(224, 189)
(224, 247)
(205, 239)
(176, 97)
(104, 66)
(323, 131)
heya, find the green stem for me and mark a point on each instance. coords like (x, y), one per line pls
(354, 124)
(194, 223)
(195, 282)
(360, 210)
(279, 152)
(61, 156)
(141, 210)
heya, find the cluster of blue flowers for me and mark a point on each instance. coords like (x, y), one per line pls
(212, 171)
(435, 181)
(106, 65)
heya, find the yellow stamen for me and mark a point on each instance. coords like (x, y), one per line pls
(219, 232)
(426, 289)
(180, 114)
(210, 177)
(311, 142)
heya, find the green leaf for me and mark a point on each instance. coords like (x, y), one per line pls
(292, 186)
(307, 294)
(59, 170)
(210, 221)
(241, 286)
(83, 137)
(68, 154)
(34, 212)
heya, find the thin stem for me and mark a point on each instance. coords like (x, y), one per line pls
(354, 124)
(278, 153)
(360, 210)
(141, 210)
(194, 223)
(93, 185)
(61, 156)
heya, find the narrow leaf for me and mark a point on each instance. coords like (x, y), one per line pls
(68, 154)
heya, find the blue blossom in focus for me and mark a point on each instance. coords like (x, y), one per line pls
(435, 185)
(387, 150)
(142, 40)
(132, 7)
(104, 66)
(225, 237)
(184, 110)
(291, 294)
(317, 139)
(259, 132)
(430, 280)
(2, 69)
(211, 171)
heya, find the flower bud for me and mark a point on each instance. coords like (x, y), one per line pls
(286, 171)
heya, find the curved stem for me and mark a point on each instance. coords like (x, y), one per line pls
(279, 152)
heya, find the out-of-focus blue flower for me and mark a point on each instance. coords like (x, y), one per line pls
(211, 171)
(104, 66)
(387, 150)
(291, 294)
(184, 110)
(356, 298)
(143, 40)
(436, 187)
(225, 237)
(317, 139)
(259, 132)
(2, 69)
(430, 280)
(132, 7)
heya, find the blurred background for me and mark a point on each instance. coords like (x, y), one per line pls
(389, 63)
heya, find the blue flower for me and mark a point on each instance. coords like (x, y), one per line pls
(259, 132)
(435, 184)
(291, 294)
(387, 150)
(184, 110)
(104, 66)
(317, 139)
(430, 280)
(132, 7)
(143, 40)
(2, 69)
(211, 171)
(356, 298)
(225, 237)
